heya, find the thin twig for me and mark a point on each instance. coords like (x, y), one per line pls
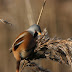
(41, 12)
(5, 22)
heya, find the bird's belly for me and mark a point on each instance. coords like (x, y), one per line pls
(25, 54)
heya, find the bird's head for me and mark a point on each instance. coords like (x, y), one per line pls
(35, 30)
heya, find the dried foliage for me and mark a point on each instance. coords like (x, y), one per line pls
(4, 21)
(33, 66)
(55, 49)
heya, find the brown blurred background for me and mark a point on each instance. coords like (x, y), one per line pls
(56, 18)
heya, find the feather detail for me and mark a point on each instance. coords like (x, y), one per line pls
(20, 36)
(17, 45)
(10, 50)
(18, 39)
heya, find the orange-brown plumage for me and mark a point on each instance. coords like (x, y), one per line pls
(24, 44)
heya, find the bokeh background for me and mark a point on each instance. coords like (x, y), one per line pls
(56, 17)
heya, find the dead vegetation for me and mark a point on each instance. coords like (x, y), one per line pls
(55, 49)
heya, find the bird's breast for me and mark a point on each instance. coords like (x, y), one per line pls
(24, 54)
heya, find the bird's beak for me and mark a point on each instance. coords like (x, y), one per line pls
(39, 33)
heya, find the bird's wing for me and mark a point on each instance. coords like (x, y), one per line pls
(18, 41)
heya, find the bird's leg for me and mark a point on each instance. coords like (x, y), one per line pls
(17, 67)
(23, 65)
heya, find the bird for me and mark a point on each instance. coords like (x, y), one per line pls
(25, 43)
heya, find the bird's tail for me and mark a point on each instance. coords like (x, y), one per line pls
(10, 50)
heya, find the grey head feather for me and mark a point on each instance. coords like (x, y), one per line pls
(34, 28)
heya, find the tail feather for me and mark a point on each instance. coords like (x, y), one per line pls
(10, 50)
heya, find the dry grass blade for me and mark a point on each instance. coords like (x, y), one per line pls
(5, 22)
